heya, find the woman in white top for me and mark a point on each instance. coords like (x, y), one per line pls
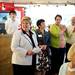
(24, 45)
(69, 68)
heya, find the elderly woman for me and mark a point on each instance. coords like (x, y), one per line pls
(58, 44)
(69, 68)
(71, 34)
(24, 45)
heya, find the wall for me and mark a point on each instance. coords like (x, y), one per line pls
(5, 55)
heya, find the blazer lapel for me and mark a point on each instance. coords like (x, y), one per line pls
(27, 38)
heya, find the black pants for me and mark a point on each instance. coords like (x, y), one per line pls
(22, 70)
(57, 58)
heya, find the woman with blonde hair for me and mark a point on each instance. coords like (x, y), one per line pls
(69, 67)
(24, 45)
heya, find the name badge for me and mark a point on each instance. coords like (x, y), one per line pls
(39, 35)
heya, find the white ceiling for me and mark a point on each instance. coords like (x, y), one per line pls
(39, 1)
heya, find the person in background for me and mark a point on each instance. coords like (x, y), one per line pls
(71, 35)
(44, 58)
(69, 67)
(49, 28)
(24, 45)
(58, 44)
(11, 25)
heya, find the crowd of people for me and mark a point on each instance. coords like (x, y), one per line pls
(41, 52)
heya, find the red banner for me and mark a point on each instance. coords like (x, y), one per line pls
(6, 6)
(0, 6)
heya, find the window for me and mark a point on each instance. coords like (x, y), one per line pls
(3, 16)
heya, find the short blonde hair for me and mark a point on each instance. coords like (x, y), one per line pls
(71, 52)
(26, 18)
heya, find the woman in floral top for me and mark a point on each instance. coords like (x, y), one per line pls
(44, 57)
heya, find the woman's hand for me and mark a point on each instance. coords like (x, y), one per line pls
(43, 47)
(29, 52)
(74, 29)
(63, 28)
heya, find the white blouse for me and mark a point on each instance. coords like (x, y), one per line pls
(63, 69)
